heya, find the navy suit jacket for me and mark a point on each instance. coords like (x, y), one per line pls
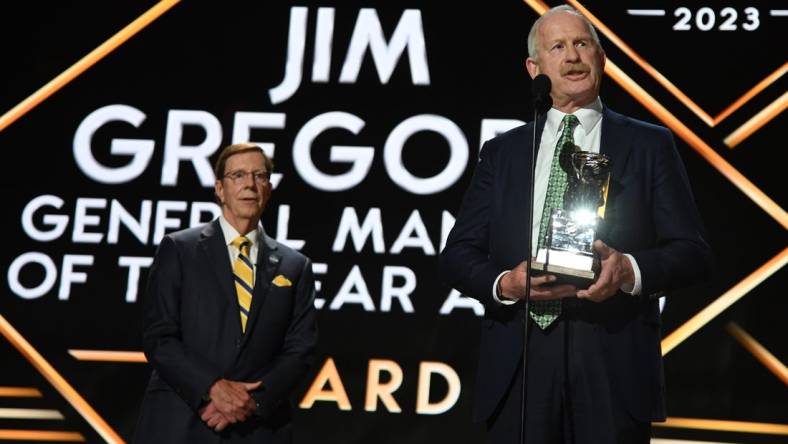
(650, 214)
(192, 336)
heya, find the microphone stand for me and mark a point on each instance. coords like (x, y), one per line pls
(526, 303)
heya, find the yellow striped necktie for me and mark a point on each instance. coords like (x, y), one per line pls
(243, 274)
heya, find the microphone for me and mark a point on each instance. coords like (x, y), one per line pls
(540, 92)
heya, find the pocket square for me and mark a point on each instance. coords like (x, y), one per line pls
(281, 281)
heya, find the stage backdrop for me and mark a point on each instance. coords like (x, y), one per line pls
(374, 113)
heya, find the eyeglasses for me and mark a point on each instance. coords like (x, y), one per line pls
(239, 177)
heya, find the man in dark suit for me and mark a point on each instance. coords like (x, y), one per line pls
(230, 320)
(594, 366)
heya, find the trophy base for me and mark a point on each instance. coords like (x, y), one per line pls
(569, 268)
(581, 279)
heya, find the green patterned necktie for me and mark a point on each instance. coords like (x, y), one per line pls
(545, 312)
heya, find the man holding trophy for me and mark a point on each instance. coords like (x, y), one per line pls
(614, 227)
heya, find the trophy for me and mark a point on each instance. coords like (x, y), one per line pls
(567, 250)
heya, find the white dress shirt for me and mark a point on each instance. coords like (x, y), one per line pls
(587, 136)
(230, 233)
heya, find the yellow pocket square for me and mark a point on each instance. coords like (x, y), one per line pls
(281, 281)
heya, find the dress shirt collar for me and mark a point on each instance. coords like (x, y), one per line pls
(589, 116)
(230, 233)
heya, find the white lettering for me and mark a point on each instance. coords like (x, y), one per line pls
(141, 150)
(199, 208)
(494, 127)
(349, 224)
(369, 33)
(163, 207)
(319, 268)
(457, 300)
(282, 228)
(33, 257)
(414, 225)
(359, 156)
(134, 264)
(175, 152)
(353, 291)
(68, 276)
(139, 228)
(58, 222)
(392, 153)
(447, 223)
(295, 56)
(324, 35)
(82, 219)
(402, 293)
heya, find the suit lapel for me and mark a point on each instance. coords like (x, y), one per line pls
(213, 248)
(616, 141)
(268, 259)
(517, 164)
(539, 129)
(513, 178)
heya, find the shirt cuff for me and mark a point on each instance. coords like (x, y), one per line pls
(635, 289)
(495, 291)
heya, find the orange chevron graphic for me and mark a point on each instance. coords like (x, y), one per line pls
(20, 392)
(723, 302)
(85, 63)
(757, 121)
(764, 356)
(58, 382)
(40, 435)
(108, 356)
(673, 89)
(724, 426)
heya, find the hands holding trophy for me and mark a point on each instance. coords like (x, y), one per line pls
(567, 250)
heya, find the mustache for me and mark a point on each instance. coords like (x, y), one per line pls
(579, 67)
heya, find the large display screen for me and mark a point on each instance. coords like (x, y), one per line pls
(112, 115)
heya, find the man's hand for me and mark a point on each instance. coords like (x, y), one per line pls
(231, 399)
(616, 271)
(213, 417)
(513, 286)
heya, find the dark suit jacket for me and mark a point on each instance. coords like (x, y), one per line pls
(192, 336)
(650, 214)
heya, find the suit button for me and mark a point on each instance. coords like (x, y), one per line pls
(238, 343)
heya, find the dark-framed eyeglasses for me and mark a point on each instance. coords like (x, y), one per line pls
(239, 177)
